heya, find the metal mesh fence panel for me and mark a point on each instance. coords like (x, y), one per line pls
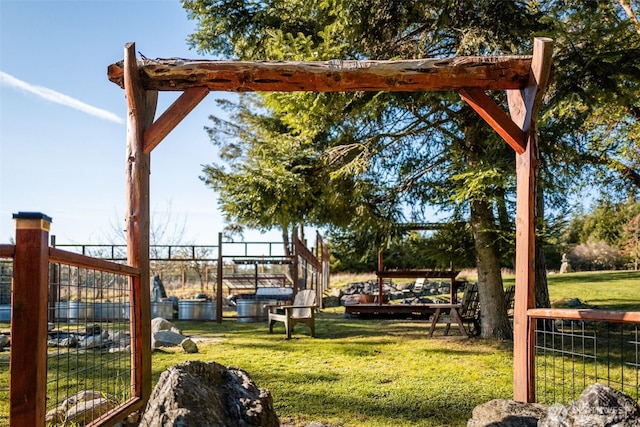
(6, 269)
(571, 355)
(89, 342)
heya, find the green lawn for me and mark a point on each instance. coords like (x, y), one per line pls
(616, 290)
(370, 373)
(358, 372)
(386, 373)
(609, 290)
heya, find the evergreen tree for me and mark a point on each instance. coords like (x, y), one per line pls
(380, 153)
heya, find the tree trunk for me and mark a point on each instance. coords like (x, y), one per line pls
(494, 320)
(506, 223)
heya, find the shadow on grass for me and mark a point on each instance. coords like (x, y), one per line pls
(423, 410)
(611, 304)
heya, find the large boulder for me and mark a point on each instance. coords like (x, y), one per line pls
(208, 394)
(507, 413)
(598, 405)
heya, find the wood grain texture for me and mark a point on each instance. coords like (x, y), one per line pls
(141, 106)
(29, 327)
(523, 107)
(448, 74)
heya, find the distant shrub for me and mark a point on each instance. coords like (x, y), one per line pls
(595, 256)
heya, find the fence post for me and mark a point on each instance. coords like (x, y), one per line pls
(28, 362)
(219, 273)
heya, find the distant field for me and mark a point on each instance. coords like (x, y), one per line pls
(607, 290)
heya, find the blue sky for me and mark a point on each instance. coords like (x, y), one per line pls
(62, 122)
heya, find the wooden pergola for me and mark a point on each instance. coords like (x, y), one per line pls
(524, 78)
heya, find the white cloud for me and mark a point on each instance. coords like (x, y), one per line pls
(57, 97)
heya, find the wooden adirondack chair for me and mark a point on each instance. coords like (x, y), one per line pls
(509, 296)
(469, 312)
(301, 311)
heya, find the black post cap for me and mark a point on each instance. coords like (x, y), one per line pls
(32, 215)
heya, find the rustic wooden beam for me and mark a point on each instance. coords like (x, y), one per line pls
(432, 74)
(182, 106)
(524, 106)
(495, 117)
(141, 106)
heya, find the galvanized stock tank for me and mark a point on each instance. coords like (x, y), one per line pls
(196, 309)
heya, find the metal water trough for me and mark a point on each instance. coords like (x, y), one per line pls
(196, 309)
(253, 307)
(162, 309)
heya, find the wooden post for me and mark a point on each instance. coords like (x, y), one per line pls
(524, 106)
(453, 294)
(141, 106)
(219, 273)
(380, 279)
(28, 364)
(296, 265)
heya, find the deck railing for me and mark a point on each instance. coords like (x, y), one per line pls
(74, 331)
(575, 348)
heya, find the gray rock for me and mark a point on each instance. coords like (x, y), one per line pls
(92, 341)
(93, 330)
(331, 301)
(208, 394)
(507, 413)
(575, 303)
(189, 346)
(166, 339)
(159, 324)
(80, 409)
(84, 412)
(120, 338)
(68, 342)
(598, 405)
(350, 299)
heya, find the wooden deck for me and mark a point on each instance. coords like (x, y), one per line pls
(390, 310)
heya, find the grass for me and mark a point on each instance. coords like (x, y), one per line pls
(606, 290)
(613, 290)
(370, 373)
(357, 372)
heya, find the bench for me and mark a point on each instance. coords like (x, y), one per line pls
(301, 311)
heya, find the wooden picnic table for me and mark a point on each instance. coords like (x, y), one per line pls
(453, 310)
(437, 309)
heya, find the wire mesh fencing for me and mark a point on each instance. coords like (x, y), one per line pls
(571, 355)
(6, 268)
(89, 342)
